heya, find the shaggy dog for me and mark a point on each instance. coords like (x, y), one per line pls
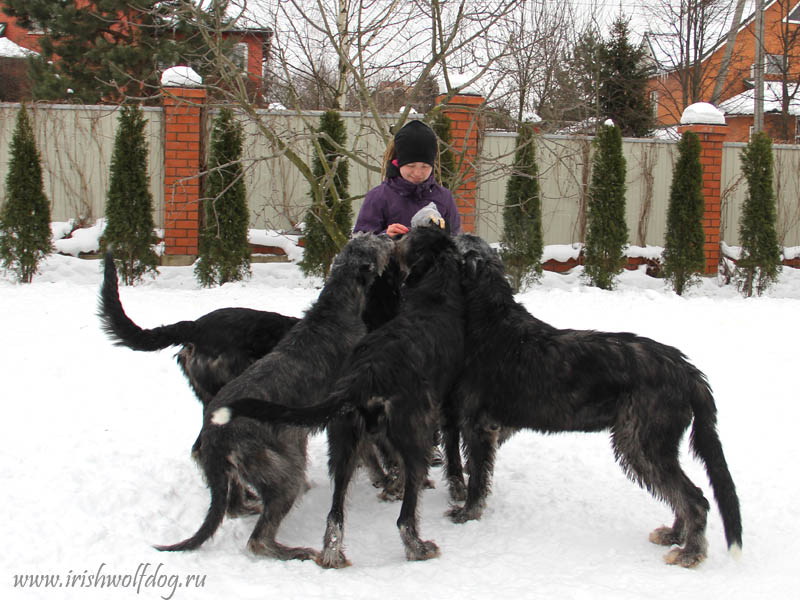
(214, 348)
(271, 458)
(520, 372)
(393, 382)
(220, 345)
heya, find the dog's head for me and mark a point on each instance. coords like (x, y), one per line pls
(420, 249)
(367, 254)
(476, 255)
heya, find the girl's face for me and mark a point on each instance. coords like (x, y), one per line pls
(416, 172)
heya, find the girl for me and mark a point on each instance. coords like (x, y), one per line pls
(409, 185)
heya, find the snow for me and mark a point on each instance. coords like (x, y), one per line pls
(181, 77)
(702, 112)
(95, 458)
(744, 103)
(9, 49)
(608, 123)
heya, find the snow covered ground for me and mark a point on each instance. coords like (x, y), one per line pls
(95, 464)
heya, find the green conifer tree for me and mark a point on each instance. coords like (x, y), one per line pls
(129, 204)
(332, 210)
(224, 247)
(684, 249)
(607, 231)
(25, 236)
(441, 125)
(760, 262)
(106, 50)
(522, 215)
(622, 93)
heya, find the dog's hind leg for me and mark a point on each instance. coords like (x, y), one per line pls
(453, 466)
(343, 439)
(415, 463)
(277, 504)
(656, 467)
(481, 446)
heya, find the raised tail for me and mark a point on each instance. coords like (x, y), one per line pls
(119, 327)
(706, 446)
(217, 477)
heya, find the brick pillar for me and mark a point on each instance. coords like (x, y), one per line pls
(711, 139)
(466, 128)
(183, 108)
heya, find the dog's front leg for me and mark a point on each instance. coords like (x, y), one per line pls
(481, 445)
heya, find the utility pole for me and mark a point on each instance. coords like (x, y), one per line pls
(758, 69)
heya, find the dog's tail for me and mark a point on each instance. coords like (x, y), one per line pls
(215, 466)
(125, 332)
(314, 416)
(706, 445)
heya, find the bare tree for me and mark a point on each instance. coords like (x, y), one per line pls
(787, 63)
(537, 40)
(344, 48)
(682, 34)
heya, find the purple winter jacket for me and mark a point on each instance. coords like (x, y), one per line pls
(396, 200)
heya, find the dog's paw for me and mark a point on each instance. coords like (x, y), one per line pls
(422, 550)
(332, 559)
(462, 514)
(665, 536)
(458, 491)
(684, 558)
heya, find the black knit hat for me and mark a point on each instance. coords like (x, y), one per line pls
(415, 142)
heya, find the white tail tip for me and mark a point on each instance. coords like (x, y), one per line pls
(736, 552)
(221, 416)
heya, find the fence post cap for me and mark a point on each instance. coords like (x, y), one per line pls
(702, 113)
(181, 76)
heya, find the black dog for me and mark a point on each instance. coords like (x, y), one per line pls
(523, 373)
(214, 348)
(393, 382)
(220, 345)
(298, 372)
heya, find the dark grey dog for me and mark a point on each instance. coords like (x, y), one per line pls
(523, 373)
(220, 345)
(393, 384)
(298, 372)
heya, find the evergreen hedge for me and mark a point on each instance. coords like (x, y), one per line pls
(328, 210)
(684, 248)
(607, 232)
(522, 239)
(441, 125)
(25, 237)
(129, 231)
(224, 247)
(760, 262)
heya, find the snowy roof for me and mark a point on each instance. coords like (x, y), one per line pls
(744, 103)
(181, 77)
(9, 49)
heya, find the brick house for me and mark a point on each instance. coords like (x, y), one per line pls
(781, 17)
(251, 48)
